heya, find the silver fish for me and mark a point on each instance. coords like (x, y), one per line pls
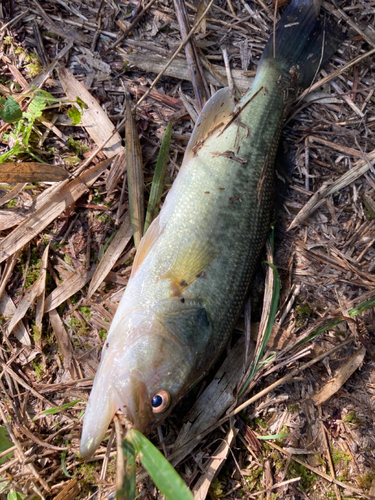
(194, 266)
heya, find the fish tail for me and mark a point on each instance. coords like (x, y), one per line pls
(302, 42)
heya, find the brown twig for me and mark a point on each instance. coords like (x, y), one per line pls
(198, 79)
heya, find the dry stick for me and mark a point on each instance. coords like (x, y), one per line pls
(275, 486)
(195, 69)
(259, 395)
(227, 69)
(107, 455)
(133, 24)
(338, 147)
(320, 473)
(38, 441)
(24, 385)
(329, 458)
(21, 452)
(180, 47)
(120, 465)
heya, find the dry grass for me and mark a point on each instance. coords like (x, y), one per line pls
(63, 292)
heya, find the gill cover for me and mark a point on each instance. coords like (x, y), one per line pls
(156, 351)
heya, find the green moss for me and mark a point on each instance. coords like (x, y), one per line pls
(86, 311)
(253, 479)
(97, 198)
(72, 161)
(74, 299)
(365, 480)
(216, 490)
(37, 334)
(293, 408)
(79, 327)
(351, 418)
(340, 456)
(303, 311)
(103, 333)
(33, 66)
(34, 268)
(261, 422)
(308, 478)
(38, 369)
(11, 203)
(77, 146)
(87, 470)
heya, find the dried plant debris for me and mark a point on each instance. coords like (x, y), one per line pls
(71, 77)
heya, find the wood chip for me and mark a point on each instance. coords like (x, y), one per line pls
(31, 172)
(214, 465)
(341, 376)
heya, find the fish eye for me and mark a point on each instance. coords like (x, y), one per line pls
(160, 401)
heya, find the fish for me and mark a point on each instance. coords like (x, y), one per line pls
(194, 266)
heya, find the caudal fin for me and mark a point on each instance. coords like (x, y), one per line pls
(302, 42)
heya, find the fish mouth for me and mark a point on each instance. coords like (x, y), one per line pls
(127, 394)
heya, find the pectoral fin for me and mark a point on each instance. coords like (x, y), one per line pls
(147, 242)
(191, 263)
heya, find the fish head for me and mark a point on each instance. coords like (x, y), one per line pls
(146, 367)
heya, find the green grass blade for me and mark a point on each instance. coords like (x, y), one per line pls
(5, 443)
(53, 411)
(159, 178)
(337, 321)
(63, 465)
(161, 471)
(129, 484)
(271, 320)
(273, 436)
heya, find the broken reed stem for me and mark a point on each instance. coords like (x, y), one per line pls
(200, 86)
(257, 396)
(180, 47)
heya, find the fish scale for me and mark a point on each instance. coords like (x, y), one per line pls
(194, 266)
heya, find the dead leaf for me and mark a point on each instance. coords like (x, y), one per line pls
(62, 338)
(112, 254)
(134, 168)
(202, 25)
(8, 309)
(58, 201)
(94, 118)
(35, 289)
(31, 172)
(73, 284)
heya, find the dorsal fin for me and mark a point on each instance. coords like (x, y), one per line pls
(147, 242)
(214, 115)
